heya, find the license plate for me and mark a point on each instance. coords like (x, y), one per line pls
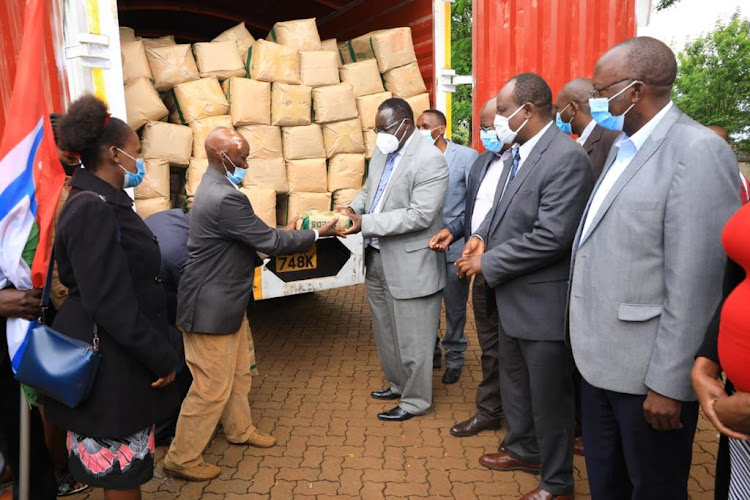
(297, 261)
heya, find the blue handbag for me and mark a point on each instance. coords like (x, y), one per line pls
(56, 365)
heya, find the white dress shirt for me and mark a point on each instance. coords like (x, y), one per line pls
(379, 207)
(487, 190)
(628, 148)
(587, 132)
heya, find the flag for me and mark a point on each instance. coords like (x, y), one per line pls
(31, 176)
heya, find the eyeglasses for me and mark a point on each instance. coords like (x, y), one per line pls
(379, 130)
(595, 92)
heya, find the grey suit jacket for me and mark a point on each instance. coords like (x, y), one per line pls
(646, 277)
(528, 237)
(411, 213)
(217, 278)
(459, 159)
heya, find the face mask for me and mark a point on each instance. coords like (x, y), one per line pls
(133, 179)
(427, 134)
(238, 174)
(490, 140)
(388, 143)
(502, 127)
(564, 126)
(600, 111)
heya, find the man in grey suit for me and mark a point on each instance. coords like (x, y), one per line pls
(431, 124)
(646, 276)
(212, 299)
(397, 211)
(523, 251)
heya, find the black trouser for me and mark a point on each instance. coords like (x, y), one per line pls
(43, 485)
(489, 402)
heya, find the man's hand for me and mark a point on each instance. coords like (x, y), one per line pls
(662, 413)
(356, 223)
(707, 385)
(346, 211)
(469, 266)
(24, 304)
(440, 241)
(164, 381)
(292, 225)
(734, 413)
(475, 246)
(331, 230)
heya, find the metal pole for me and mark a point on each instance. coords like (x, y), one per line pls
(25, 449)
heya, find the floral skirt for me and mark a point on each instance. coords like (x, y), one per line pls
(116, 464)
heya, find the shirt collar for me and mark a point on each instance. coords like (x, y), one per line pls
(639, 138)
(525, 149)
(587, 132)
(406, 144)
(85, 180)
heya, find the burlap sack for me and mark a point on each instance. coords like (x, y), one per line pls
(364, 77)
(200, 99)
(219, 59)
(301, 34)
(234, 33)
(334, 103)
(288, 207)
(134, 62)
(419, 104)
(171, 65)
(405, 81)
(127, 34)
(164, 41)
(346, 171)
(271, 62)
(303, 142)
(307, 176)
(263, 202)
(171, 142)
(370, 137)
(318, 68)
(146, 208)
(367, 106)
(155, 183)
(345, 56)
(201, 128)
(290, 105)
(249, 101)
(343, 137)
(391, 48)
(269, 173)
(317, 219)
(142, 103)
(344, 197)
(264, 140)
(194, 174)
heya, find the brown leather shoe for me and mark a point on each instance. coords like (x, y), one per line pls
(474, 426)
(578, 446)
(540, 494)
(503, 461)
(201, 472)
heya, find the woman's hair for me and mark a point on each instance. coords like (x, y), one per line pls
(87, 128)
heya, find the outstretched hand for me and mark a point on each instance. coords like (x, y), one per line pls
(331, 230)
(356, 224)
(292, 225)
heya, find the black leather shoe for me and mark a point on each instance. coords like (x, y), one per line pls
(385, 394)
(474, 426)
(451, 375)
(396, 414)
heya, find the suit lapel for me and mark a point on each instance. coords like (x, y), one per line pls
(641, 157)
(403, 165)
(450, 153)
(377, 164)
(594, 137)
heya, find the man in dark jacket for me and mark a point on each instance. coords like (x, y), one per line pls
(212, 298)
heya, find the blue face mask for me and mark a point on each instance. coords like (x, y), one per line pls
(490, 140)
(133, 179)
(600, 111)
(238, 174)
(564, 126)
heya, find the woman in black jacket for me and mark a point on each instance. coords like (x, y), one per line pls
(110, 261)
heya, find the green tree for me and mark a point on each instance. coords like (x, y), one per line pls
(461, 64)
(713, 77)
(664, 4)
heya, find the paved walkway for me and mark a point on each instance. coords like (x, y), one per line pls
(318, 364)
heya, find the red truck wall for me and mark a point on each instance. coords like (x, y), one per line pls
(558, 39)
(11, 27)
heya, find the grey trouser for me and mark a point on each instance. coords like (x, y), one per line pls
(404, 332)
(489, 403)
(455, 296)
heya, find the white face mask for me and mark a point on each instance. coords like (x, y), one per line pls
(502, 127)
(388, 143)
(427, 134)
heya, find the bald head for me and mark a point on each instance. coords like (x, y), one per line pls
(642, 58)
(225, 143)
(720, 131)
(487, 114)
(578, 90)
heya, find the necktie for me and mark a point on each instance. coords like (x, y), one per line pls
(514, 168)
(384, 178)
